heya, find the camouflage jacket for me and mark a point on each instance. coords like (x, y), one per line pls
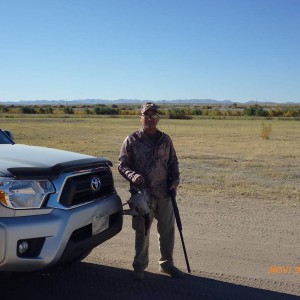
(157, 163)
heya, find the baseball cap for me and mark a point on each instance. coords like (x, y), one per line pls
(149, 105)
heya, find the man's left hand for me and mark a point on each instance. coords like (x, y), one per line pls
(173, 187)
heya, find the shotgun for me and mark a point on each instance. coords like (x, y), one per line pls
(179, 226)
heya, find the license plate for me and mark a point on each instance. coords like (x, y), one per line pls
(100, 223)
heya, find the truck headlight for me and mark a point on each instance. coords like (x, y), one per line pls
(20, 194)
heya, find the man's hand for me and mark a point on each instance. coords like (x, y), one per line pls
(138, 179)
(173, 187)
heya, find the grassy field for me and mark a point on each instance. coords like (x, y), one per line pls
(218, 158)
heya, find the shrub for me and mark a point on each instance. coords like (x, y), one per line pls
(197, 111)
(103, 110)
(178, 113)
(87, 111)
(256, 110)
(27, 110)
(276, 113)
(49, 110)
(291, 113)
(4, 109)
(68, 110)
(41, 110)
(266, 130)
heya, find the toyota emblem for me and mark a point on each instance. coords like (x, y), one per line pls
(95, 184)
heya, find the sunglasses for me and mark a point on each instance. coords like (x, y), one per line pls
(152, 116)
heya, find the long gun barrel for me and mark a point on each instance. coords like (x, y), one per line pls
(179, 226)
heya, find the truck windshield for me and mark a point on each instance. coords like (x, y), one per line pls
(4, 139)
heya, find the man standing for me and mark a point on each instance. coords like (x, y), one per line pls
(148, 159)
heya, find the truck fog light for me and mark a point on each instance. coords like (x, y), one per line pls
(30, 248)
(23, 247)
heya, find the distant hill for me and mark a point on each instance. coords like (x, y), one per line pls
(134, 101)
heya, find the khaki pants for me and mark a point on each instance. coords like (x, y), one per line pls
(161, 210)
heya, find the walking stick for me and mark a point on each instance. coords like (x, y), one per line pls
(179, 226)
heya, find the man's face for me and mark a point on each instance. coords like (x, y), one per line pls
(149, 119)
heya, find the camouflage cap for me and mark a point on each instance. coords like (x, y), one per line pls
(149, 105)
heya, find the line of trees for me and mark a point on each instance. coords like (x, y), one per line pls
(171, 112)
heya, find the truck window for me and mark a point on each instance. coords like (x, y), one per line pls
(3, 138)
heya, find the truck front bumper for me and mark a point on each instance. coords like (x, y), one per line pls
(59, 236)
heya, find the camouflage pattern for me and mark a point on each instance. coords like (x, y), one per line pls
(157, 163)
(148, 106)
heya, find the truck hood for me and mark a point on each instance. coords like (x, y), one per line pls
(23, 160)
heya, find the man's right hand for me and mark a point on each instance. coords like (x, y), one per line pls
(138, 179)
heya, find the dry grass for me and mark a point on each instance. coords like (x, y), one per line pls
(266, 130)
(218, 158)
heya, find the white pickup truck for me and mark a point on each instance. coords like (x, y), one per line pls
(55, 206)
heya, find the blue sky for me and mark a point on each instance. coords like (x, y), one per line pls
(237, 50)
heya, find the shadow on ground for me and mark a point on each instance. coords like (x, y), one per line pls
(92, 281)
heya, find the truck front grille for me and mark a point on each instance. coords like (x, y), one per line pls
(78, 189)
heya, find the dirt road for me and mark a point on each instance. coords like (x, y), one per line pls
(238, 249)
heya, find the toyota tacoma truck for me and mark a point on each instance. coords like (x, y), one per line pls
(55, 206)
